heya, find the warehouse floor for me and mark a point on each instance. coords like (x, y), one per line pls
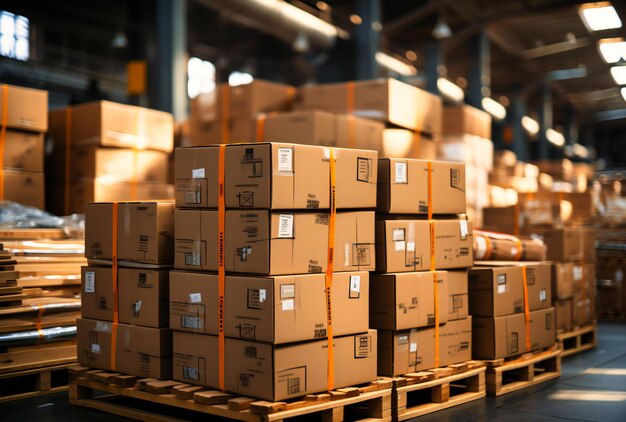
(591, 388)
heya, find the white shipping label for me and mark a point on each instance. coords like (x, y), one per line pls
(501, 288)
(262, 295)
(410, 246)
(400, 246)
(326, 153)
(197, 173)
(288, 305)
(400, 172)
(464, 229)
(285, 225)
(480, 247)
(285, 159)
(195, 297)
(355, 283)
(543, 295)
(90, 282)
(413, 348)
(137, 306)
(578, 272)
(397, 234)
(95, 348)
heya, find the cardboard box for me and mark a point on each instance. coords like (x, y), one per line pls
(145, 231)
(470, 149)
(278, 176)
(387, 100)
(26, 108)
(114, 164)
(458, 304)
(402, 352)
(583, 310)
(108, 124)
(589, 244)
(562, 280)
(563, 314)
(195, 239)
(259, 96)
(403, 187)
(271, 372)
(277, 310)
(495, 291)
(23, 151)
(406, 300)
(404, 143)
(24, 188)
(196, 174)
(505, 336)
(559, 169)
(564, 244)
(404, 245)
(466, 119)
(141, 351)
(96, 293)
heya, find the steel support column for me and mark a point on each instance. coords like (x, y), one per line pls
(571, 127)
(367, 38)
(479, 85)
(545, 122)
(519, 143)
(433, 62)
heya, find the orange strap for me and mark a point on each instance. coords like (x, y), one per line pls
(225, 110)
(116, 315)
(526, 308)
(39, 323)
(68, 157)
(221, 272)
(516, 214)
(3, 134)
(520, 249)
(351, 132)
(260, 127)
(330, 263)
(350, 97)
(489, 248)
(433, 266)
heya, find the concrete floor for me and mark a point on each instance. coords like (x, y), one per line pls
(591, 388)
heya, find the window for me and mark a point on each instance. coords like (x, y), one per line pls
(14, 36)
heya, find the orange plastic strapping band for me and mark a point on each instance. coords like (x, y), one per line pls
(489, 248)
(3, 134)
(225, 109)
(221, 272)
(116, 315)
(433, 266)
(520, 249)
(39, 324)
(350, 97)
(68, 157)
(260, 127)
(329, 271)
(526, 308)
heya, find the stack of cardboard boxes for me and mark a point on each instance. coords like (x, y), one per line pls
(407, 301)
(467, 138)
(125, 289)
(276, 230)
(104, 151)
(24, 121)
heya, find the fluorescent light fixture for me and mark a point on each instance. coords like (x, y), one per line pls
(600, 16)
(619, 74)
(494, 108)
(623, 91)
(555, 137)
(395, 65)
(580, 150)
(450, 90)
(200, 77)
(530, 125)
(237, 78)
(612, 50)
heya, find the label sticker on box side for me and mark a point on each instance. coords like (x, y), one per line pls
(137, 308)
(578, 272)
(285, 226)
(288, 305)
(363, 172)
(285, 159)
(400, 246)
(410, 246)
(191, 373)
(464, 229)
(403, 339)
(262, 295)
(543, 296)
(412, 347)
(501, 288)
(195, 297)
(400, 172)
(287, 291)
(90, 282)
(192, 197)
(397, 234)
(187, 321)
(355, 283)
(197, 173)
(95, 348)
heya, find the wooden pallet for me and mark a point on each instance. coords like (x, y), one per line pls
(577, 341)
(165, 400)
(33, 382)
(504, 376)
(425, 392)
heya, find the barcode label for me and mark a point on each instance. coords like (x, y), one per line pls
(285, 225)
(400, 173)
(197, 173)
(90, 282)
(191, 373)
(455, 178)
(285, 159)
(293, 386)
(187, 321)
(192, 259)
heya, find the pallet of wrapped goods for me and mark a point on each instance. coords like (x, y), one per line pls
(490, 246)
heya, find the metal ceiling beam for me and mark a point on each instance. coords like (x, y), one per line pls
(556, 48)
(405, 20)
(606, 115)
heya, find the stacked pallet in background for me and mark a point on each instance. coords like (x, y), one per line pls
(125, 288)
(24, 121)
(104, 151)
(276, 225)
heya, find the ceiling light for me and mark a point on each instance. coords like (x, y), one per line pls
(623, 91)
(395, 65)
(356, 19)
(600, 16)
(580, 150)
(530, 125)
(555, 137)
(612, 50)
(494, 108)
(619, 74)
(410, 55)
(322, 5)
(442, 29)
(450, 90)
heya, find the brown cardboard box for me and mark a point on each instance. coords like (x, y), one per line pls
(96, 293)
(404, 143)
(278, 176)
(403, 187)
(145, 231)
(401, 352)
(272, 372)
(559, 169)
(141, 351)
(563, 314)
(196, 173)
(504, 336)
(406, 300)
(24, 188)
(589, 244)
(114, 164)
(583, 310)
(565, 244)
(27, 108)
(387, 100)
(495, 291)
(256, 97)
(458, 304)
(23, 151)
(108, 124)
(356, 132)
(144, 297)
(404, 245)
(562, 280)
(466, 119)
(195, 240)
(277, 310)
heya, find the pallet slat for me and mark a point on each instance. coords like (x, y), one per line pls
(577, 341)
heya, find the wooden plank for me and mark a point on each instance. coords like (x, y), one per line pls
(36, 358)
(240, 403)
(435, 407)
(212, 397)
(187, 393)
(160, 387)
(125, 380)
